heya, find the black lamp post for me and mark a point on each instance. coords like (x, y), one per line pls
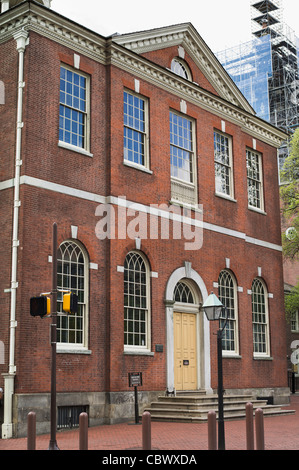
(213, 309)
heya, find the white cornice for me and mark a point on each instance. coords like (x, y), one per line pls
(187, 36)
(34, 17)
(141, 67)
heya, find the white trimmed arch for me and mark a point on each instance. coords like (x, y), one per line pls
(178, 275)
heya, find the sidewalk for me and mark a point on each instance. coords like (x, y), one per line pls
(281, 433)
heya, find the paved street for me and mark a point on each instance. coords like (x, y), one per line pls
(281, 433)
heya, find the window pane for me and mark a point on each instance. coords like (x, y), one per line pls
(183, 293)
(222, 164)
(259, 317)
(69, 265)
(226, 290)
(181, 148)
(135, 304)
(134, 129)
(254, 181)
(72, 108)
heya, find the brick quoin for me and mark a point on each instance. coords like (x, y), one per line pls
(65, 186)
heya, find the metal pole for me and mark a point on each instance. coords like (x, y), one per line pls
(53, 444)
(212, 439)
(146, 431)
(83, 431)
(221, 436)
(136, 406)
(31, 431)
(259, 424)
(249, 427)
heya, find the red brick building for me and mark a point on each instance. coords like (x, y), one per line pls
(163, 184)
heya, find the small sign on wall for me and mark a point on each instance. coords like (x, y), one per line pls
(135, 379)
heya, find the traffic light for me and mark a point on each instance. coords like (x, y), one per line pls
(70, 303)
(40, 306)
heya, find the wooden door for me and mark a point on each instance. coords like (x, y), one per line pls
(185, 351)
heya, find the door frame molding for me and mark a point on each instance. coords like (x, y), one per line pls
(187, 272)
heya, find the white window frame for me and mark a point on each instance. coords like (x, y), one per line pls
(255, 181)
(228, 167)
(295, 322)
(66, 346)
(146, 348)
(232, 305)
(184, 192)
(85, 148)
(144, 133)
(264, 325)
(180, 68)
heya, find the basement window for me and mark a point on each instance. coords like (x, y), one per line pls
(68, 416)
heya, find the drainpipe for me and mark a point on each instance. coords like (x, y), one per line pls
(7, 427)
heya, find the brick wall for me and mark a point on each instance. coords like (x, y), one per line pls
(106, 368)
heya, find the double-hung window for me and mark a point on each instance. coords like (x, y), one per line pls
(260, 319)
(72, 275)
(227, 295)
(135, 130)
(254, 180)
(136, 303)
(223, 164)
(182, 159)
(74, 109)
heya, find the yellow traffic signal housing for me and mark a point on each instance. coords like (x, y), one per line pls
(40, 306)
(70, 303)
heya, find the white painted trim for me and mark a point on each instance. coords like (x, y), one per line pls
(175, 277)
(86, 195)
(59, 188)
(94, 266)
(154, 274)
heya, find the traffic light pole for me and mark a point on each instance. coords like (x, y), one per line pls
(53, 444)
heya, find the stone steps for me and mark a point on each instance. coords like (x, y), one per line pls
(194, 407)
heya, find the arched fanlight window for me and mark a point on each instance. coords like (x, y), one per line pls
(136, 302)
(72, 274)
(227, 295)
(179, 67)
(183, 293)
(260, 318)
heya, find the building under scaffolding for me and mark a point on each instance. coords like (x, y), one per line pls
(266, 68)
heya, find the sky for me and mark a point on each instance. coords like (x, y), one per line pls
(221, 23)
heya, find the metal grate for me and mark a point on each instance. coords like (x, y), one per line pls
(68, 416)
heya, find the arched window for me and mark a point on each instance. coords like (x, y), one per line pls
(72, 274)
(260, 318)
(183, 293)
(136, 302)
(179, 67)
(227, 295)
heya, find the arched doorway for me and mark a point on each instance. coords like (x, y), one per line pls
(188, 334)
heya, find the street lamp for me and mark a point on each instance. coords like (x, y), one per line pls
(213, 309)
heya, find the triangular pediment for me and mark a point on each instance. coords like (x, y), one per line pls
(187, 37)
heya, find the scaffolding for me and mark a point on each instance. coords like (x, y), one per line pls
(266, 69)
